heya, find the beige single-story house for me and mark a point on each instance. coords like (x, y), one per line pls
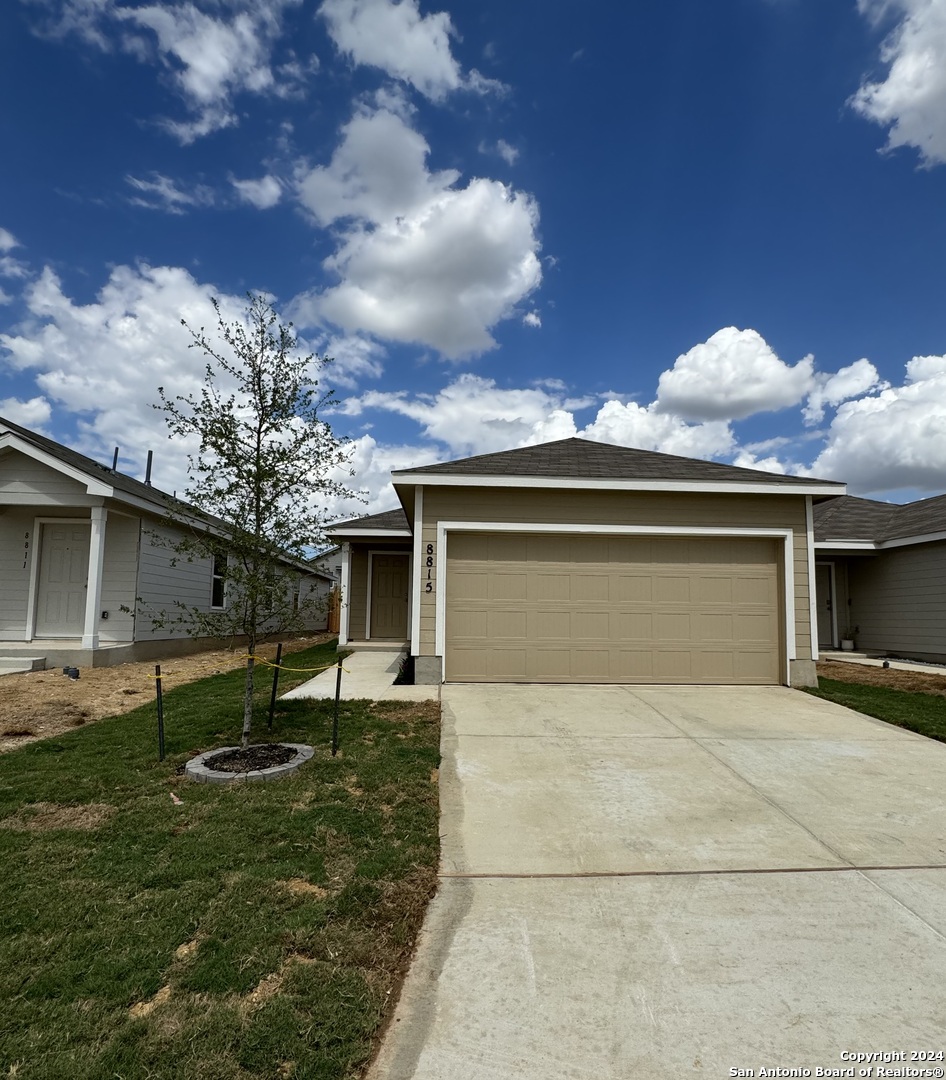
(881, 576)
(579, 562)
(82, 560)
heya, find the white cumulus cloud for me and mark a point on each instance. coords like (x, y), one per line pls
(406, 45)
(210, 52)
(34, 413)
(421, 260)
(910, 99)
(732, 375)
(849, 382)
(893, 438)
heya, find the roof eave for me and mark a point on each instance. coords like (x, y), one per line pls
(816, 488)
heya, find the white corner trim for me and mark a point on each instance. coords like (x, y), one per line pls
(812, 598)
(692, 487)
(416, 569)
(35, 559)
(93, 596)
(345, 588)
(444, 528)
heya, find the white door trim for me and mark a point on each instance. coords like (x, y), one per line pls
(833, 581)
(418, 562)
(35, 553)
(444, 528)
(345, 589)
(410, 568)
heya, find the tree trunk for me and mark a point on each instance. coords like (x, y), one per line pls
(248, 697)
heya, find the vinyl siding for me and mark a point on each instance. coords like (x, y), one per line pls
(898, 601)
(119, 577)
(16, 531)
(27, 481)
(614, 508)
(160, 583)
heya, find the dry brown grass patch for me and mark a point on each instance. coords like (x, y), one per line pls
(921, 682)
(301, 887)
(44, 816)
(187, 950)
(145, 1008)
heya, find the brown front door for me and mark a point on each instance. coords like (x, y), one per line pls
(389, 583)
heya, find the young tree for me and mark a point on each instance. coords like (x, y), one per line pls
(264, 466)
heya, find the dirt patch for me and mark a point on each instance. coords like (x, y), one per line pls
(35, 705)
(145, 1008)
(187, 950)
(921, 682)
(301, 887)
(43, 816)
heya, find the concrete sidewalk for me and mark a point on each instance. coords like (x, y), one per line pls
(366, 674)
(659, 882)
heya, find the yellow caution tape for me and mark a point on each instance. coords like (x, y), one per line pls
(282, 667)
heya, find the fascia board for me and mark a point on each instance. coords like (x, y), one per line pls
(846, 545)
(594, 484)
(370, 534)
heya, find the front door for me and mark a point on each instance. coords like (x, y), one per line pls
(824, 597)
(63, 577)
(389, 585)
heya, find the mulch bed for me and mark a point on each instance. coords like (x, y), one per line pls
(258, 756)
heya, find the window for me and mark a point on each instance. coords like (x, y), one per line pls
(218, 580)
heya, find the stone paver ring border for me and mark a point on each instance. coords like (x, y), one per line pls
(196, 769)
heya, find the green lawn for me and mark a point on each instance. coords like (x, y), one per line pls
(922, 713)
(253, 931)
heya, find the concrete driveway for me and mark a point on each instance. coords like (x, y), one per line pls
(661, 882)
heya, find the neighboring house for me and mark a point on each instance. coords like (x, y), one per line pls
(81, 559)
(575, 561)
(881, 575)
(330, 562)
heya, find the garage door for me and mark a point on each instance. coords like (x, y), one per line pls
(551, 608)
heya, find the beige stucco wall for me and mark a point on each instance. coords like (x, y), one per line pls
(549, 506)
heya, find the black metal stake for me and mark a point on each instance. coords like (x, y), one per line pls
(338, 691)
(157, 682)
(272, 700)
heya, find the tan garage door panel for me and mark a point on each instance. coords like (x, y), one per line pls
(550, 608)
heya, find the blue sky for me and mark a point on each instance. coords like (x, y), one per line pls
(709, 229)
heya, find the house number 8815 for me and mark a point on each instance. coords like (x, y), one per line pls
(428, 584)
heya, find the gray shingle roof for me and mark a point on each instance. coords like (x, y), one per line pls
(918, 518)
(387, 519)
(584, 459)
(850, 518)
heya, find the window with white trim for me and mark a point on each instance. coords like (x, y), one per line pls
(218, 581)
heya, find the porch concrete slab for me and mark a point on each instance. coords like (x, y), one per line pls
(665, 977)
(871, 661)
(366, 674)
(873, 802)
